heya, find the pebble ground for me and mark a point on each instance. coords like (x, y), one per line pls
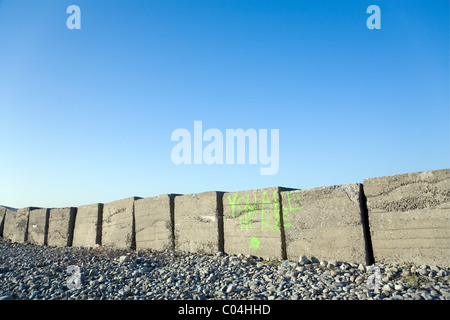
(41, 272)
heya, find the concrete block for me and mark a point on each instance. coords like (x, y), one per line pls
(88, 224)
(38, 226)
(325, 223)
(198, 222)
(409, 217)
(154, 226)
(118, 224)
(60, 226)
(16, 224)
(252, 224)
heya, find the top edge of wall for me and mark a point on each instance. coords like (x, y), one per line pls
(280, 189)
(411, 173)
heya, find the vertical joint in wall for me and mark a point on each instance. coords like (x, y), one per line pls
(47, 219)
(366, 227)
(172, 220)
(98, 236)
(221, 244)
(72, 217)
(133, 229)
(25, 238)
(2, 223)
(282, 233)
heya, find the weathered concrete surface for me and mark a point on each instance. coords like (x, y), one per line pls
(38, 226)
(198, 222)
(16, 224)
(118, 224)
(409, 217)
(88, 223)
(153, 217)
(252, 224)
(325, 223)
(61, 223)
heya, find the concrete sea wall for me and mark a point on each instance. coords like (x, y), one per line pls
(403, 218)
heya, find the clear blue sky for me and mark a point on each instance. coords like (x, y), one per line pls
(86, 115)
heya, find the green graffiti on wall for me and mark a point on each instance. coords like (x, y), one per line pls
(254, 243)
(266, 210)
(262, 211)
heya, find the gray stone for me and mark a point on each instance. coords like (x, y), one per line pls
(434, 293)
(398, 287)
(422, 272)
(231, 288)
(314, 260)
(442, 273)
(344, 266)
(123, 259)
(199, 222)
(154, 218)
(427, 296)
(405, 273)
(332, 263)
(409, 217)
(303, 259)
(434, 268)
(324, 222)
(88, 222)
(126, 291)
(93, 283)
(211, 278)
(60, 226)
(387, 288)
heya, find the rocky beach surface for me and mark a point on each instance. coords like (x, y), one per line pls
(30, 272)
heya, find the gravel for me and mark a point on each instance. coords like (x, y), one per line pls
(40, 272)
